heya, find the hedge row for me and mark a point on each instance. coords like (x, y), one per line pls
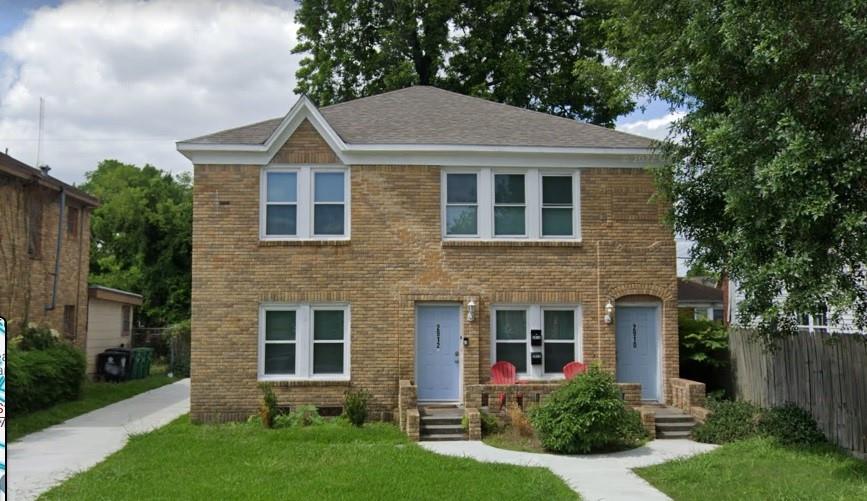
(41, 378)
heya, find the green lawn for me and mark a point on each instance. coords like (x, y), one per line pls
(761, 469)
(330, 461)
(94, 396)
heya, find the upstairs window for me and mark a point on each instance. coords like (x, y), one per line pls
(511, 204)
(300, 203)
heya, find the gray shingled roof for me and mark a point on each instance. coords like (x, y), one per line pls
(427, 115)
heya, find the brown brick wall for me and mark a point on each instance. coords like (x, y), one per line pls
(395, 259)
(28, 280)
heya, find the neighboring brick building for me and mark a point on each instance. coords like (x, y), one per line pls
(348, 247)
(30, 205)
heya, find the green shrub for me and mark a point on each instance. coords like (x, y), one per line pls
(587, 414)
(703, 341)
(789, 424)
(40, 378)
(37, 338)
(729, 421)
(303, 415)
(268, 406)
(355, 406)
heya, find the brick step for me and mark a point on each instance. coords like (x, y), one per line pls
(672, 434)
(442, 429)
(677, 426)
(438, 438)
(438, 420)
(674, 419)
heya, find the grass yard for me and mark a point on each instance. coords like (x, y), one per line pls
(761, 469)
(329, 461)
(94, 396)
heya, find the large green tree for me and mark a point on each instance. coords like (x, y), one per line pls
(545, 55)
(768, 168)
(142, 236)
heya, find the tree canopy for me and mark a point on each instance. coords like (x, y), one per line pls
(545, 55)
(768, 168)
(141, 237)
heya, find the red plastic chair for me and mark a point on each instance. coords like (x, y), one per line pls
(505, 373)
(572, 369)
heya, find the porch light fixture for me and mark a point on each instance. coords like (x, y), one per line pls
(609, 310)
(471, 311)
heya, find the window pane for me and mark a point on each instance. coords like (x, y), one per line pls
(328, 187)
(557, 355)
(511, 324)
(701, 314)
(282, 186)
(509, 221)
(516, 353)
(461, 220)
(559, 324)
(509, 188)
(557, 190)
(556, 222)
(328, 358)
(327, 324)
(328, 220)
(280, 358)
(280, 220)
(279, 325)
(717, 315)
(461, 188)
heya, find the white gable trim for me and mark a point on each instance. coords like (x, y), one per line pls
(413, 154)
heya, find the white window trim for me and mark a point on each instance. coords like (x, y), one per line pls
(535, 320)
(304, 201)
(528, 203)
(532, 197)
(304, 342)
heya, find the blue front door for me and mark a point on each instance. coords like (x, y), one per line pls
(438, 352)
(637, 352)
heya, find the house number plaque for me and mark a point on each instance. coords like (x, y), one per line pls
(438, 337)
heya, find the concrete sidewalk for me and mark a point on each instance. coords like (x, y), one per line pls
(596, 477)
(43, 459)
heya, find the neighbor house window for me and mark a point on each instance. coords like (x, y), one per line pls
(69, 321)
(72, 222)
(462, 204)
(561, 338)
(514, 204)
(304, 342)
(817, 322)
(304, 203)
(125, 319)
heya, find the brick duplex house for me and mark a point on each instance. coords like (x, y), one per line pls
(415, 238)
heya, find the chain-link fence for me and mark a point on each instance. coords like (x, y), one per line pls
(171, 347)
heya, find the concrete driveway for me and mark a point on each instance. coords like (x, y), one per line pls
(43, 459)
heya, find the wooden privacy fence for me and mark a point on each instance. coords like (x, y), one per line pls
(823, 374)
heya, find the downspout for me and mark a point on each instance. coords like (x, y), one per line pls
(53, 302)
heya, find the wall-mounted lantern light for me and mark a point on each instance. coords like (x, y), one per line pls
(609, 311)
(471, 311)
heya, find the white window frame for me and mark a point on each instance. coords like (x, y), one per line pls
(526, 205)
(304, 341)
(446, 204)
(576, 341)
(304, 201)
(533, 204)
(525, 341)
(535, 320)
(576, 206)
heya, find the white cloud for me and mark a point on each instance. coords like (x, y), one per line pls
(656, 128)
(126, 80)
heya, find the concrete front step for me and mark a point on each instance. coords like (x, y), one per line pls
(438, 438)
(672, 434)
(681, 426)
(439, 420)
